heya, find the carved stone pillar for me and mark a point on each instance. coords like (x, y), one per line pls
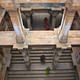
(57, 54)
(7, 57)
(26, 57)
(53, 21)
(28, 16)
(53, 17)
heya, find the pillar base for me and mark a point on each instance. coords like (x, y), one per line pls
(20, 39)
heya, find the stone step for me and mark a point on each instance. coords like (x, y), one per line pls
(36, 55)
(13, 52)
(38, 61)
(51, 58)
(17, 67)
(18, 52)
(33, 55)
(38, 58)
(58, 78)
(50, 61)
(42, 47)
(41, 75)
(19, 55)
(17, 59)
(39, 52)
(40, 72)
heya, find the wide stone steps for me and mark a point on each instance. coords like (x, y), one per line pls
(18, 69)
(36, 59)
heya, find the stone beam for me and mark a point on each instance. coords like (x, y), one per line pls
(34, 1)
(11, 4)
(8, 38)
(18, 27)
(65, 26)
(41, 1)
(8, 4)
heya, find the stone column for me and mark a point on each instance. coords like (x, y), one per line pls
(53, 21)
(57, 54)
(28, 16)
(26, 57)
(7, 56)
(53, 17)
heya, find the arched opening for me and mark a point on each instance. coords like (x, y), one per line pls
(76, 22)
(38, 21)
(6, 24)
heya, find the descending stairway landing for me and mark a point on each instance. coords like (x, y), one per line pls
(63, 71)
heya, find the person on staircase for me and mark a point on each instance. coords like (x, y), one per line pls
(42, 59)
(46, 24)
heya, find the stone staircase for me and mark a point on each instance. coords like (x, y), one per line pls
(64, 69)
